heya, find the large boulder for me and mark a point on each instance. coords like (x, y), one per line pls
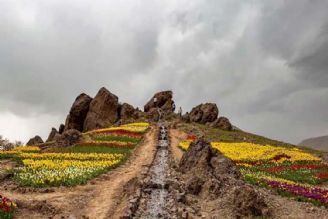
(52, 135)
(78, 112)
(211, 177)
(222, 123)
(35, 141)
(204, 113)
(201, 158)
(162, 100)
(127, 112)
(68, 138)
(103, 111)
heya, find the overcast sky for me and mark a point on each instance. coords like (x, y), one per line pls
(265, 63)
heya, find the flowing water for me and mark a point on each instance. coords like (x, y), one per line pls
(156, 203)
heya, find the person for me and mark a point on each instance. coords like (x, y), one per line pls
(173, 107)
(180, 111)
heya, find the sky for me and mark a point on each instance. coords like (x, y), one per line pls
(265, 63)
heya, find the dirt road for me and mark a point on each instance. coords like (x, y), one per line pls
(100, 198)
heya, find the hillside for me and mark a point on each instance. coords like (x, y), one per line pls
(111, 160)
(317, 143)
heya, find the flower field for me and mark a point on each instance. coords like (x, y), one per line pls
(184, 145)
(285, 170)
(100, 151)
(125, 136)
(7, 208)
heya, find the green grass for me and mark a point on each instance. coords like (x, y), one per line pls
(113, 138)
(4, 215)
(95, 149)
(216, 134)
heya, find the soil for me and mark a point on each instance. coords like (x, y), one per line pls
(176, 136)
(102, 197)
(6, 164)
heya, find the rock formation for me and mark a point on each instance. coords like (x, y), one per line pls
(68, 138)
(52, 135)
(35, 141)
(211, 177)
(61, 129)
(162, 100)
(222, 123)
(204, 113)
(127, 112)
(201, 157)
(103, 111)
(78, 112)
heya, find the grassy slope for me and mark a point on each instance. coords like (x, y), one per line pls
(215, 134)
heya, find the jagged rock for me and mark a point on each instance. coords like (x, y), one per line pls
(35, 141)
(61, 129)
(248, 202)
(194, 185)
(202, 158)
(68, 138)
(211, 176)
(204, 113)
(127, 112)
(222, 123)
(162, 100)
(52, 135)
(78, 113)
(103, 110)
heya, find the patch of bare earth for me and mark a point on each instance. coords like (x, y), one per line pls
(102, 197)
(176, 136)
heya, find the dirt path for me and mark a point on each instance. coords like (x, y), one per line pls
(100, 198)
(176, 136)
(107, 195)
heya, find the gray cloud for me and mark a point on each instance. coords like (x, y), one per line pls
(263, 62)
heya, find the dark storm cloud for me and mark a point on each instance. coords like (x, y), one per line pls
(263, 62)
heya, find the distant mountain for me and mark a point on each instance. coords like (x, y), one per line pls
(318, 143)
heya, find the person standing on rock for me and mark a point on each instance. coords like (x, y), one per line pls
(180, 112)
(173, 107)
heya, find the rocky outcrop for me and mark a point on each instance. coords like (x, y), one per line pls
(204, 113)
(103, 111)
(162, 100)
(35, 141)
(248, 203)
(52, 135)
(78, 113)
(211, 177)
(127, 112)
(68, 138)
(202, 158)
(222, 123)
(61, 129)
